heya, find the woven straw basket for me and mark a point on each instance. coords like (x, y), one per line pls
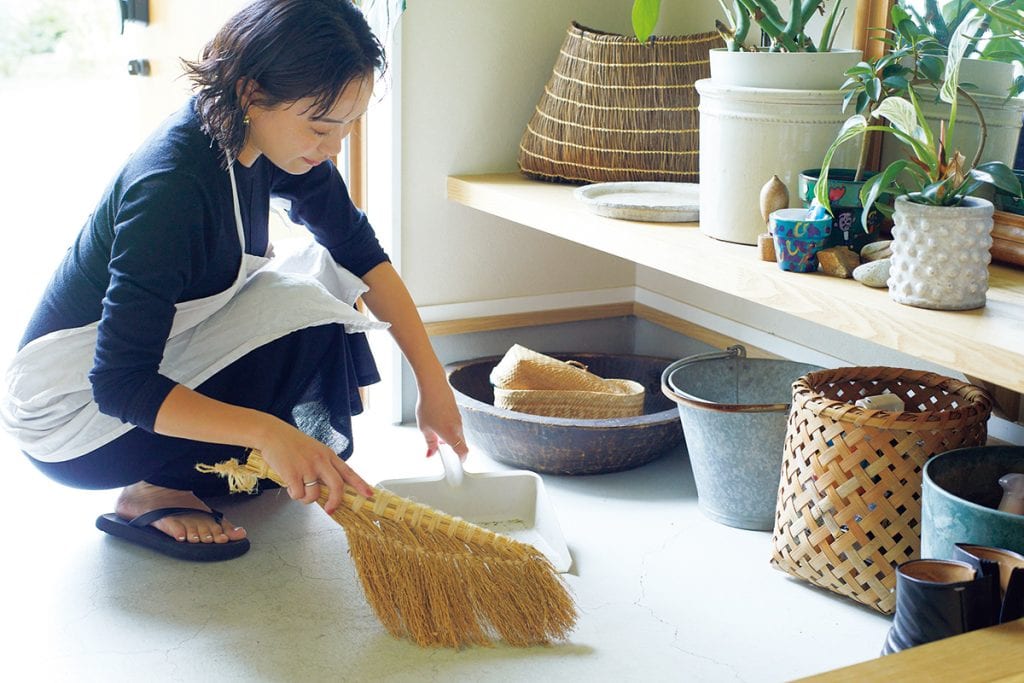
(529, 382)
(619, 110)
(849, 506)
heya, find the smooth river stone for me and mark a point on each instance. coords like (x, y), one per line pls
(875, 251)
(873, 273)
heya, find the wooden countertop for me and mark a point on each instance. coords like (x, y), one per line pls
(991, 655)
(987, 343)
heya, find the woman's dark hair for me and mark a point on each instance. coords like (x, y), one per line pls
(293, 49)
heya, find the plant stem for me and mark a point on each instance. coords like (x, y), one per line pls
(982, 126)
(767, 16)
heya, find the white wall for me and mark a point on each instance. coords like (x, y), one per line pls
(472, 73)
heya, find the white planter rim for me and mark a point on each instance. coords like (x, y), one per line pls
(708, 86)
(782, 70)
(969, 205)
(984, 100)
(766, 51)
(992, 79)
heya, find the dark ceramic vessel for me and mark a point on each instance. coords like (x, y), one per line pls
(561, 445)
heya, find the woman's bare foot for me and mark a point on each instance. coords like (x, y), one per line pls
(142, 497)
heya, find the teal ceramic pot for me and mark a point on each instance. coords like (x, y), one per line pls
(798, 239)
(959, 500)
(1008, 202)
(844, 197)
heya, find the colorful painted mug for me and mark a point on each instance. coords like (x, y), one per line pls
(798, 237)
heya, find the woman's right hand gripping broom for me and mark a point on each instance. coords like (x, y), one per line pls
(306, 464)
(303, 463)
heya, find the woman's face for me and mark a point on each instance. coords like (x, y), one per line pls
(295, 140)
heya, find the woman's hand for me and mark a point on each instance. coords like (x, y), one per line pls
(306, 464)
(438, 418)
(298, 458)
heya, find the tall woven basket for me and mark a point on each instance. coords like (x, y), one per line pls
(619, 110)
(849, 505)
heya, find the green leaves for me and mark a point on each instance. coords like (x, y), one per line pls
(645, 18)
(901, 113)
(998, 174)
(887, 183)
(960, 41)
(886, 88)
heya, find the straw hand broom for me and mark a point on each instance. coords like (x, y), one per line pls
(434, 578)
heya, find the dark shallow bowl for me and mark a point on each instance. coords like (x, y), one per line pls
(562, 445)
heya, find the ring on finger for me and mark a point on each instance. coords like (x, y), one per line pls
(311, 483)
(458, 443)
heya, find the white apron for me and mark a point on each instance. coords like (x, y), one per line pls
(48, 407)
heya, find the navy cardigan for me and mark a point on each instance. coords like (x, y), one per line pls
(164, 232)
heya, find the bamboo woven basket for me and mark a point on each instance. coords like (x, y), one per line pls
(849, 505)
(529, 382)
(619, 110)
(581, 405)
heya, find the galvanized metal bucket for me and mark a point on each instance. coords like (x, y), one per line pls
(734, 410)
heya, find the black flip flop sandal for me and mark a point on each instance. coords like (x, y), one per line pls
(139, 532)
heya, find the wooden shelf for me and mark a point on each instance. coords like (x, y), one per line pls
(987, 343)
(990, 655)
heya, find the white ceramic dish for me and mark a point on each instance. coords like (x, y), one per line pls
(643, 201)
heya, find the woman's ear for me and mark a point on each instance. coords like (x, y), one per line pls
(245, 91)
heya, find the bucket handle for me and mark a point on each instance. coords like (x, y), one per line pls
(734, 351)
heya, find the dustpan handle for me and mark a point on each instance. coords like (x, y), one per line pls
(452, 465)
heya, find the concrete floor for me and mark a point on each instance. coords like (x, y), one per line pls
(664, 593)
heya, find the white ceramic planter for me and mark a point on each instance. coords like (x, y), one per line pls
(990, 78)
(940, 254)
(747, 135)
(782, 70)
(1002, 119)
(982, 76)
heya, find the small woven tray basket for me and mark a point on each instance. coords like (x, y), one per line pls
(529, 382)
(849, 505)
(618, 110)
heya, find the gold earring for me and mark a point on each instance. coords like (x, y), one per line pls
(245, 120)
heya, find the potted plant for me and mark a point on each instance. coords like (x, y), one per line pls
(747, 64)
(1008, 35)
(986, 71)
(911, 57)
(759, 121)
(1007, 13)
(942, 234)
(993, 49)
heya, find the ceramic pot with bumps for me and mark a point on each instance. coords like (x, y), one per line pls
(940, 254)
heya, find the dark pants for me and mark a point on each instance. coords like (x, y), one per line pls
(309, 378)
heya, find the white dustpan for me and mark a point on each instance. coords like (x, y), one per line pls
(511, 503)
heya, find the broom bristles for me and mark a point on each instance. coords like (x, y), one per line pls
(437, 579)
